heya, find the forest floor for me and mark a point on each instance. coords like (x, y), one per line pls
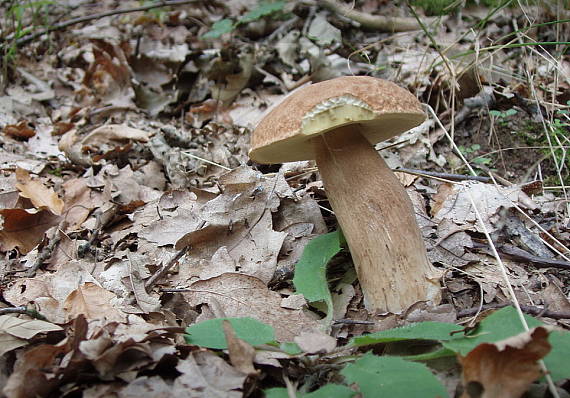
(143, 254)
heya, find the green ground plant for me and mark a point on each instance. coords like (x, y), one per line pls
(262, 10)
(20, 18)
(370, 374)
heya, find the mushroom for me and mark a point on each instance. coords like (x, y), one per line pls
(337, 123)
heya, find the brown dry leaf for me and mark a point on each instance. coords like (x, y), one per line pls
(240, 219)
(93, 302)
(107, 79)
(24, 230)
(41, 196)
(238, 295)
(241, 352)
(507, 368)
(137, 273)
(25, 328)
(209, 376)
(20, 131)
(80, 200)
(15, 332)
(9, 343)
(31, 375)
(148, 387)
(114, 132)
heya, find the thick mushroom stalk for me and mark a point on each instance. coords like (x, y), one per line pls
(337, 122)
(377, 218)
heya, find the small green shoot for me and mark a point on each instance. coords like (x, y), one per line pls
(478, 160)
(262, 10)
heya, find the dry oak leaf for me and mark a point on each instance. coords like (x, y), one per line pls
(93, 302)
(239, 295)
(505, 369)
(14, 332)
(41, 196)
(23, 229)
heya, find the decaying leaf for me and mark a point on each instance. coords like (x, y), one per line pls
(456, 204)
(238, 295)
(506, 368)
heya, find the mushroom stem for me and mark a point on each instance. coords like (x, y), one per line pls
(378, 221)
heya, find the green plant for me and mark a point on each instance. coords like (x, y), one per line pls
(470, 150)
(501, 116)
(437, 7)
(374, 375)
(559, 133)
(20, 19)
(226, 25)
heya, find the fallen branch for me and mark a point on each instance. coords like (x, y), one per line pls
(528, 309)
(523, 256)
(23, 310)
(373, 22)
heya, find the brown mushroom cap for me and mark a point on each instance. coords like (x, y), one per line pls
(382, 108)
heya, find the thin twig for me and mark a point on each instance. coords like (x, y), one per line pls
(23, 310)
(162, 271)
(447, 176)
(47, 251)
(528, 309)
(62, 25)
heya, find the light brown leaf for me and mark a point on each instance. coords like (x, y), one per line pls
(241, 352)
(41, 196)
(209, 376)
(93, 302)
(25, 328)
(239, 295)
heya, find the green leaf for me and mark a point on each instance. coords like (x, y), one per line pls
(210, 333)
(557, 360)
(263, 9)
(219, 28)
(392, 377)
(500, 325)
(495, 113)
(475, 147)
(290, 348)
(311, 271)
(482, 160)
(510, 112)
(416, 331)
(328, 391)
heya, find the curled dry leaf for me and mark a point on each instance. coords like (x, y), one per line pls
(505, 369)
(241, 352)
(20, 131)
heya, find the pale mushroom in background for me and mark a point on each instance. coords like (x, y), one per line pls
(337, 122)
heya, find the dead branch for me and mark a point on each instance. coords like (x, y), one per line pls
(528, 309)
(373, 22)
